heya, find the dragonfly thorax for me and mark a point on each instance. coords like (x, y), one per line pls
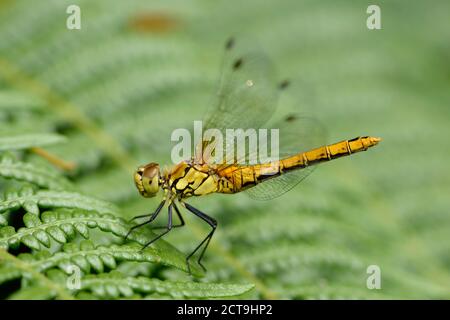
(147, 179)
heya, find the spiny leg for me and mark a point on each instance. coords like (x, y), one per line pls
(147, 215)
(152, 217)
(213, 223)
(168, 228)
(141, 216)
(179, 217)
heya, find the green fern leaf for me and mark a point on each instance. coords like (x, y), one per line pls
(114, 285)
(32, 173)
(3, 221)
(8, 273)
(88, 257)
(32, 201)
(39, 232)
(286, 256)
(11, 100)
(26, 141)
(34, 292)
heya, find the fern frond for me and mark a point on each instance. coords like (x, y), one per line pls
(115, 185)
(63, 225)
(287, 256)
(133, 87)
(27, 141)
(264, 230)
(32, 200)
(8, 273)
(16, 264)
(40, 176)
(86, 161)
(59, 226)
(33, 292)
(94, 63)
(115, 285)
(12, 100)
(90, 258)
(327, 292)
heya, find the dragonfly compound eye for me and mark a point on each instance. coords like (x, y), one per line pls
(146, 179)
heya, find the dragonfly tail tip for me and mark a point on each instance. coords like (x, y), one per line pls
(375, 140)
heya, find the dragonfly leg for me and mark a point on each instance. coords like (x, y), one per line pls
(141, 216)
(168, 228)
(213, 223)
(179, 217)
(152, 217)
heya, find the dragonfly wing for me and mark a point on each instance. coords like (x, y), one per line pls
(247, 97)
(247, 94)
(297, 134)
(276, 187)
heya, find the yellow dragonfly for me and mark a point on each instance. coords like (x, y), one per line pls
(247, 97)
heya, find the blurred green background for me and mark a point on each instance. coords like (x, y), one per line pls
(139, 69)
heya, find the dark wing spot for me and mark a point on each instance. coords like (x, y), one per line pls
(284, 84)
(237, 64)
(230, 44)
(290, 118)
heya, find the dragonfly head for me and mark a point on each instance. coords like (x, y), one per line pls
(147, 179)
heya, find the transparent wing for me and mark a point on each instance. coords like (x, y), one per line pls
(247, 94)
(297, 134)
(246, 99)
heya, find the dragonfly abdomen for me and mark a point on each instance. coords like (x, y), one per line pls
(247, 176)
(327, 153)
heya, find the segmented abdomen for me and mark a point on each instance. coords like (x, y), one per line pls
(243, 177)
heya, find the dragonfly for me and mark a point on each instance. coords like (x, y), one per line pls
(247, 97)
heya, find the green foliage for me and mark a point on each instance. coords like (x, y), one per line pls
(33, 293)
(96, 259)
(39, 175)
(31, 201)
(26, 141)
(60, 226)
(115, 285)
(108, 96)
